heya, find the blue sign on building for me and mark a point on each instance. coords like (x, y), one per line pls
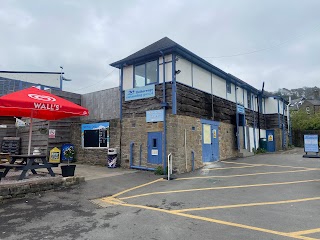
(140, 93)
(94, 126)
(311, 143)
(240, 109)
(155, 116)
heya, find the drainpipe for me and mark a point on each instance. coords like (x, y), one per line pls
(237, 117)
(283, 126)
(192, 158)
(258, 103)
(278, 114)
(164, 106)
(185, 148)
(254, 122)
(288, 118)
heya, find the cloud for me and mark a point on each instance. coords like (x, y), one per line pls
(86, 36)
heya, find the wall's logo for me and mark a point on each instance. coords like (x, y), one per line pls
(131, 92)
(42, 97)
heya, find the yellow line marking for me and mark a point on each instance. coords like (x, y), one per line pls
(213, 169)
(217, 188)
(249, 204)
(247, 174)
(220, 222)
(268, 165)
(142, 185)
(305, 232)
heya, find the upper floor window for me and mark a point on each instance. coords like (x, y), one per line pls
(145, 74)
(249, 99)
(228, 87)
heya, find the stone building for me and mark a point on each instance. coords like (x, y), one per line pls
(173, 101)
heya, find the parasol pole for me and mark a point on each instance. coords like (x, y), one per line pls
(30, 134)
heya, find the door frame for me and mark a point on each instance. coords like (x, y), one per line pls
(273, 142)
(213, 125)
(150, 148)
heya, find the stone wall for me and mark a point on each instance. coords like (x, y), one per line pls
(227, 141)
(136, 130)
(179, 129)
(278, 138)
(178, 126)
(95, 156)
(23, 189)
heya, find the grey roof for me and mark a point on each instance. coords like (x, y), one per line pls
(166, 45)
(162, 44)
(314, 102)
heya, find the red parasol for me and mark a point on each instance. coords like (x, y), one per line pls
(35, 103)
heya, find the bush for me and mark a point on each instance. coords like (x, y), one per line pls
(159, 171)
(260, 150)
(303, 121)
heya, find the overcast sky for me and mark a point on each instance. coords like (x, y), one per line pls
(275, 41)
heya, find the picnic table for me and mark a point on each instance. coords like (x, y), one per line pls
(28, 162)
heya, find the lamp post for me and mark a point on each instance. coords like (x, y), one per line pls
(62, 78)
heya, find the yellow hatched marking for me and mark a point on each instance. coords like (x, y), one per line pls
(112, 200)
(140, 186)
(247, 174)
(218, 188)
(305, 232)
(220, 222)
(249, 204)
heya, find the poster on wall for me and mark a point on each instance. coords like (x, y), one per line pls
(52, 133)
(206, 134)
(95, 135)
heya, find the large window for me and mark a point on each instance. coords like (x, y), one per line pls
(95, 135)
(228, 87)
(145, 74)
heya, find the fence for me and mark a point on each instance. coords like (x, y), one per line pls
(297, 136)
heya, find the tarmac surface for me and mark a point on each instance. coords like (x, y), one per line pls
(267, 196)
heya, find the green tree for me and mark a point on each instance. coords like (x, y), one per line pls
(303, 121)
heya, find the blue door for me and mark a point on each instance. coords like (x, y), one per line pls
(210, 141)
(271, 143)
(155, 147)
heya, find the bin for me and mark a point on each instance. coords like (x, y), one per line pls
(112, 158)
(263, 143)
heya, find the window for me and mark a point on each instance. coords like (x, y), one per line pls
(249, 99)
(308, 110)
(145, 74)
(95, 135)
(228, 87)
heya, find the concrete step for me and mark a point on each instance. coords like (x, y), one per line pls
(244, 153)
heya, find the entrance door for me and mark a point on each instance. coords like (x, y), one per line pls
(210, 141)
(271, 144)
(155, 147)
